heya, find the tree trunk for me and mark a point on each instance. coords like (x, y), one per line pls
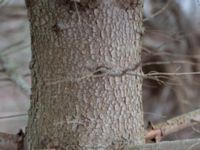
(74, 103)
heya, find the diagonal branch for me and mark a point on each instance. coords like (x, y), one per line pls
(173, 125)
(158, 12)
(189, 144)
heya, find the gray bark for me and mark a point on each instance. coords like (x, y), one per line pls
(72, 106)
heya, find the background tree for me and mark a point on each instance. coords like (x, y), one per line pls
(82, 54)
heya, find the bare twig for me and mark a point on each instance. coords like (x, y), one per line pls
(13, 116)
(173, 73)
(169, 62)
(103, 71)
(11, 46)
(158, 12)
(158, 53)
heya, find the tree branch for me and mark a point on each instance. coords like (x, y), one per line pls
(189, 144)
(173, 125)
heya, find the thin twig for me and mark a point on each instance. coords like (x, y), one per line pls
(103, 71)
(173, 73)
(158, 12)
(158, 53)
(13, 116)
(170, 62)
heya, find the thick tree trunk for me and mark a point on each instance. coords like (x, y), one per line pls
(72, 106)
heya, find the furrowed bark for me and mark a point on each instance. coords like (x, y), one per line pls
(71, 106)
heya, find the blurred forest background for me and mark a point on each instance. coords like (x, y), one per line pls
(171, 44)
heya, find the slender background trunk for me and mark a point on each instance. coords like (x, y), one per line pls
(72, 106)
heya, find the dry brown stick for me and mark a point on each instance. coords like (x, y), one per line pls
(174, 125)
